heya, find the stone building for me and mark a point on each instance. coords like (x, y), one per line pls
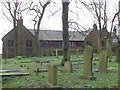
(97, 39)
(20, 41)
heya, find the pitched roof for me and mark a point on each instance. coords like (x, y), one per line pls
(57, 35)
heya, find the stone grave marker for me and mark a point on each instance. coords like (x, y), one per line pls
(56, 52)
(52, 76)
(118, 55)
(87, 56)
(109, 50)
(103, 61)
(68, 67)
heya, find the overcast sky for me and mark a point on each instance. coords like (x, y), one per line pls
(54, 22)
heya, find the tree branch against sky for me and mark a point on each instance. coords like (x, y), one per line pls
(79, 15)
(38, 9)
(15, 9)
(66, 56)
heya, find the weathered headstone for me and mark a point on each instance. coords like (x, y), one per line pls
(56, 52)
(68, 67)
(1, 77)
(52, 76)
(103, 61)
(77, 52)
(118, 55)
(37, 71)
(87, 56)
(109, 50)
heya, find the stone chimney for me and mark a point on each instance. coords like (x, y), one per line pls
(94, 26)
(114, 30)
(20, 21)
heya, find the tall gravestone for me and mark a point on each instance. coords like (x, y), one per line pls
(103, 61)
(77, 52)
(118, 55)
(0, 77)
(68, 67)
(88, 56)
(52, 77)
(109, 50)
(56, 52)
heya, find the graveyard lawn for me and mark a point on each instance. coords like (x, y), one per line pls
(65, 79)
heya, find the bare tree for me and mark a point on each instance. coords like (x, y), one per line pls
(119, 13)
(39, 11)
(15, 9)
(98, 9)
(66, 56)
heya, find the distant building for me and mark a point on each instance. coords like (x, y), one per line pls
(20, 41)
(97, 39)
(93, 39)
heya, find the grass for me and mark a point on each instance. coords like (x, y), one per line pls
(66, 80)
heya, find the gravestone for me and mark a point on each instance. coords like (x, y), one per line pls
(109, 50)
(52, 77)
(77, 52)
(1, 77)
(56, 52)
(68, 67)
(87, 56)
(103, 61)
(118, 55)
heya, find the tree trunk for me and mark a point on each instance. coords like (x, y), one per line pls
(16, 34)
(66, 56)
(119, 14)
(14, 19)
(37, 45)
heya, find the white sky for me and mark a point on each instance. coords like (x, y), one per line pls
(55, 22)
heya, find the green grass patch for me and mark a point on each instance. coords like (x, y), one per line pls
(65, 80)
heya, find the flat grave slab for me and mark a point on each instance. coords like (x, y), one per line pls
(12, 70)
(78, 63)
(26, 61)
(14, 74)
(52, 59)
(75, 69)
(76, 60)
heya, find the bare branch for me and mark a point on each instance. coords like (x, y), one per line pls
(113, 20)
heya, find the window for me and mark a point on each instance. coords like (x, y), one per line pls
(43, 43)
(73, 43)
(50, 43)
(115, 40)
(89, 43)
(81, 44)
(10, 43)
(102, 43)
(28, 43)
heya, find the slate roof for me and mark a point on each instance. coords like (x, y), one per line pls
(57, 35)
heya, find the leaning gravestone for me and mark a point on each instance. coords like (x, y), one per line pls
(52, 77)
(87, 56)
(103, 61)
(68, 67)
